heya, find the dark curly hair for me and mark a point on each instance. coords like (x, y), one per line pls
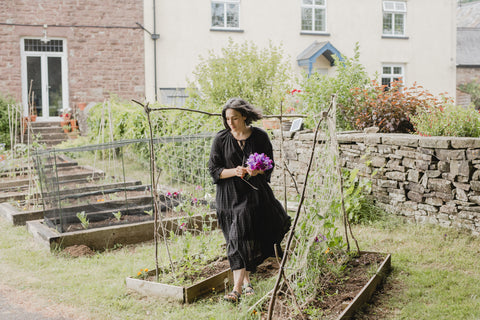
(246, 109)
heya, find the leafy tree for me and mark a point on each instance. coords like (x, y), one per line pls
(260, 76)
(318, 88)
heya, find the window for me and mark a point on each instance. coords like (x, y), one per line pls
(392, 73)
(173, 96)
(226, 14)
(314, 15)
(394, 18)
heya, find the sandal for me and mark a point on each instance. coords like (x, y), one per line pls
(248, 289)
(233, 297)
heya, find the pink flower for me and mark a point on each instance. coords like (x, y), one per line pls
(259, 162)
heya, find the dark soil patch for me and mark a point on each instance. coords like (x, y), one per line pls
(335, 293)
(78, 251)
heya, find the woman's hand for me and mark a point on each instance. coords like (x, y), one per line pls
(240, 171)
(253, 173)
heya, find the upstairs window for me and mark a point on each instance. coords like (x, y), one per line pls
(394, 13)
(314, 15)
(225, 14)
(392, 72)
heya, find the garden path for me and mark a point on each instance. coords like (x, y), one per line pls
(24, 305)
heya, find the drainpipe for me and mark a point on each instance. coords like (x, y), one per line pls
(155, 37)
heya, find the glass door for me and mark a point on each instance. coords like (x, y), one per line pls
(44, 78)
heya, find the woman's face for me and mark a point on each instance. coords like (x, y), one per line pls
(235, 120)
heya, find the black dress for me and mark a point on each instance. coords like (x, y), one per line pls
(252, 220)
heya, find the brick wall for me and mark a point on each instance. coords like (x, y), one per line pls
(101, 60)
(427, 179)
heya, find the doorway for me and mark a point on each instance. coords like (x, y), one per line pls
(44, 78)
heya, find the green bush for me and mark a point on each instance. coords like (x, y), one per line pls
(4, 125)
(260, 76)
(450, 120)
(473, 89)
(318, 89)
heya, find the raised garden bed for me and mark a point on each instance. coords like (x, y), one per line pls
(220, 276)
(342, 297)
(108, 236)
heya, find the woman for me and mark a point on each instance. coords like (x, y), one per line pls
(251, 219)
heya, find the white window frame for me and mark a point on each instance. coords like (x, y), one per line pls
(314, 7)
(394, 9)
(392, 75)
(43, 56)
(225, 9)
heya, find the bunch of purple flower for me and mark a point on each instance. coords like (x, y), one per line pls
(259, 162)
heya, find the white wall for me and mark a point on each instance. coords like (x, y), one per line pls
(428, 52)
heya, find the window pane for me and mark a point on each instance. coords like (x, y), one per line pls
(397, 70)
(218, 16)
(55, 86)
(399, 24)
(387, 70)
(306, 1)
(385, 81)
(232, 15)
(34, 77)
(307, 19)
(319, 20)
(320, 2)
(387, 23)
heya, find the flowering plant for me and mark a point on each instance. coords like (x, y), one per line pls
(259, 162)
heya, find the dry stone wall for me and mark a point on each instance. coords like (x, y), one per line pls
(427, 179)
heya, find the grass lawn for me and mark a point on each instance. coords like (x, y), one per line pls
(436, 275)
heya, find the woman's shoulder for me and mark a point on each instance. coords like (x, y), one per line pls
(222, 134)
(259, 132)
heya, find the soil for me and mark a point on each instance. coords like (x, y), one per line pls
(335, 294)
(78, 251)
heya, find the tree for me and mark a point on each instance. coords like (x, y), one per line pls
(260, 76)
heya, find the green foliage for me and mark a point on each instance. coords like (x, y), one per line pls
(259, 76)
(450, 120)
(318, 89)
(4, 125)
(82, 216)
(473, 89)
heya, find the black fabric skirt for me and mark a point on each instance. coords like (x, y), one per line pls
(253, 222)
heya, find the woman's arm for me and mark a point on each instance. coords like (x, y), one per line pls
(234, 172)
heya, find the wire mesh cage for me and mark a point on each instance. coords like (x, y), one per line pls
(107, 184)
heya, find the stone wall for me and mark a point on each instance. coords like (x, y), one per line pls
(428, 179)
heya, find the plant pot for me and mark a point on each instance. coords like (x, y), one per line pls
(82, 106)
(271, 124)
(73, 124)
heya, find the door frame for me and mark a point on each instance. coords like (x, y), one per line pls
(44, 76)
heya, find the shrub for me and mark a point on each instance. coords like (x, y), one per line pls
(390, 108)
(473, 89)
(448, 120)
(318, 89)
(4, 124)
(259, 76)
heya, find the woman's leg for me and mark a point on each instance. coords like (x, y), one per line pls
(238, 279)
(246, 278)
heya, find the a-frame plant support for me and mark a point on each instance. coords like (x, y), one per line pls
(331, 126)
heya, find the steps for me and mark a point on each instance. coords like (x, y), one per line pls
(49, 133)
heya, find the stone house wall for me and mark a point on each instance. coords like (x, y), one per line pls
(427, 179)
